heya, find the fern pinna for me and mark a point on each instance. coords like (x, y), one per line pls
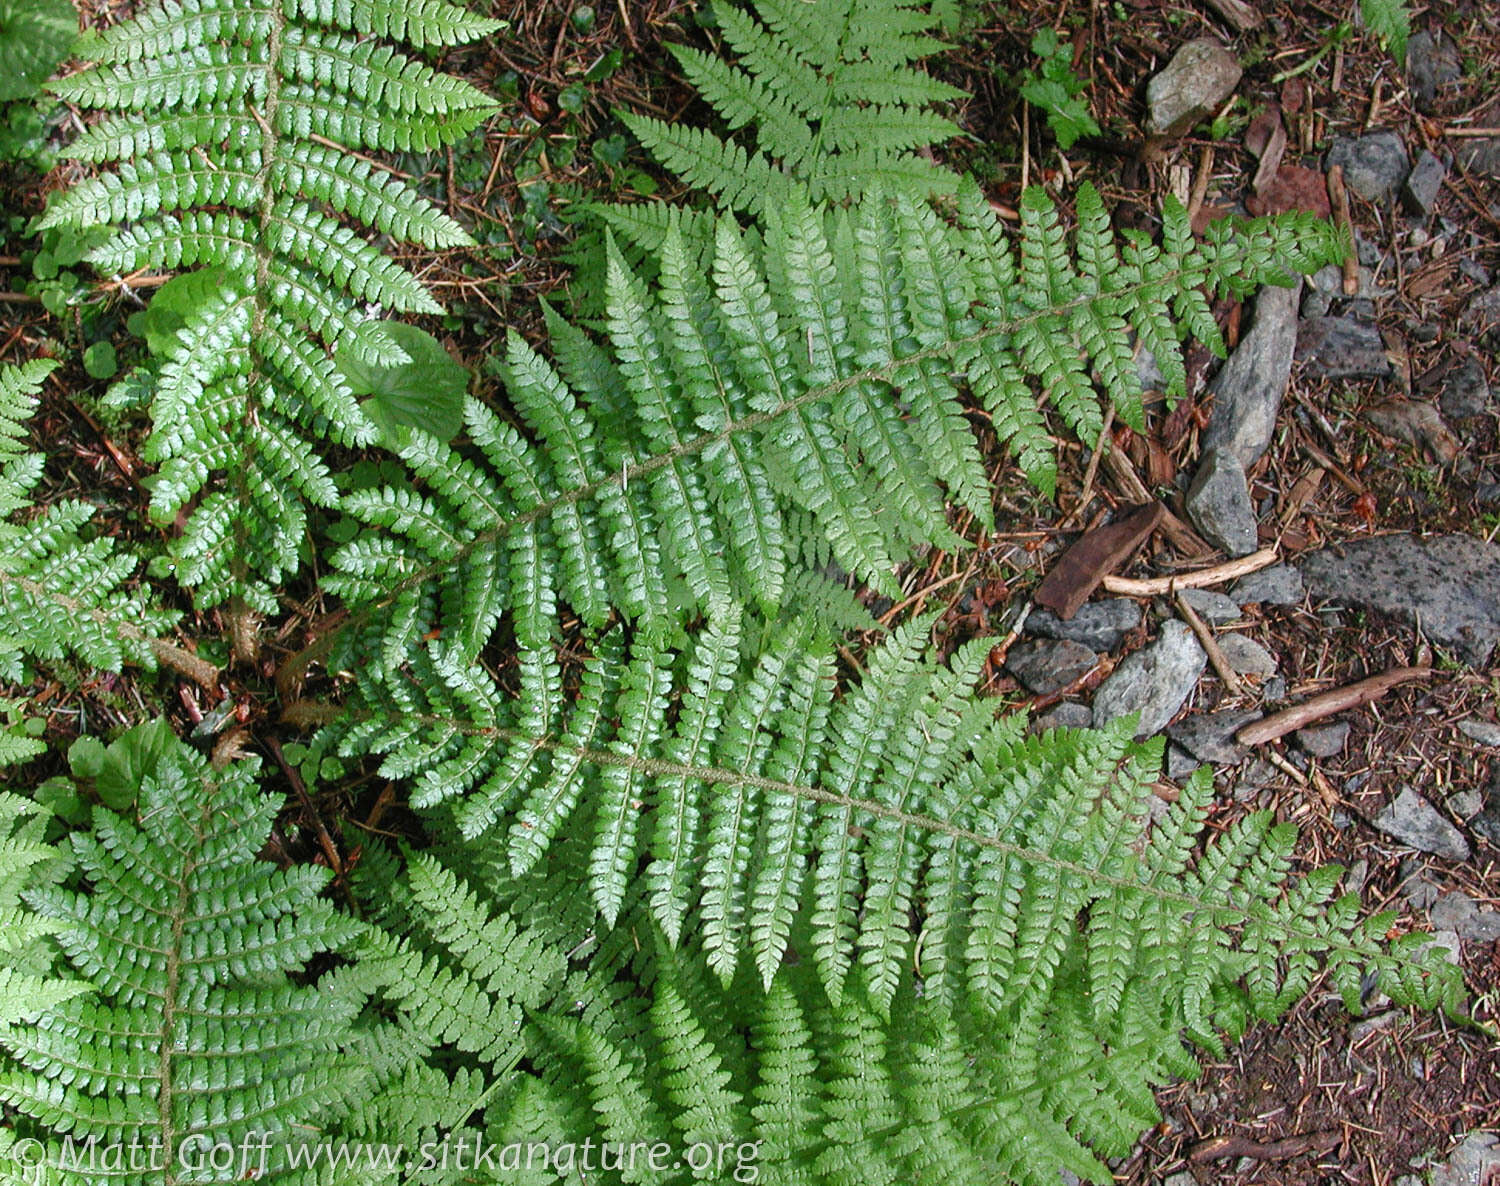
(494, 1039)
(807, 397)
(63, 595)
(194, 1034)
(238, 141)
(835, 97)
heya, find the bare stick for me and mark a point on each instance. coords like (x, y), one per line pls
(1325, 704)
(1216, 654)
(1340, 196)
(1201, 579)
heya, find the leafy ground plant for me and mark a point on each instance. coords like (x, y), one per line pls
(673, 857)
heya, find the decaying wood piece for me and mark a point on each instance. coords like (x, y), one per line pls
(1200, 578)
(1218, 1148)
(1325, 704)
(1242, 16)
(1079, 570)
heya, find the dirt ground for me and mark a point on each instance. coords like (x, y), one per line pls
(1321, 1098)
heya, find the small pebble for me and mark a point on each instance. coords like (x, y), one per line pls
(1484, 732)
(1247, 656)
(1212, 607)
(1324, 741)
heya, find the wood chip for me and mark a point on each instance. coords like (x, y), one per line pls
(1079, 571)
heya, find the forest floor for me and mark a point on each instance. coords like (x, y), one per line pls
(1321, 1097)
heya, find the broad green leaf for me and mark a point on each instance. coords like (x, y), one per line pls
(425, 392)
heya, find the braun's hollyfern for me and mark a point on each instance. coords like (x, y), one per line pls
(237, 142)
(632, 1045)
(194, 1035)
(62, 594)
(819, 381)
(35, 36)
(28, 984)
(745, 805)
(832, 93)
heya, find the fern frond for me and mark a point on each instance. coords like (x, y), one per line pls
(63, 594)
(637, 1047)
(727, 785)
(249, 176)
(29, 986)
(835, 98)
(194, 1033)
(808, 390)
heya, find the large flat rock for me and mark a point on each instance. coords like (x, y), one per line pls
(1451, 583)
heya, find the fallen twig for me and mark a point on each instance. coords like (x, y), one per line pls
(1325, 704)
(1215, 652)
(1218, 1148)
(1340, 195)
(1200, 579)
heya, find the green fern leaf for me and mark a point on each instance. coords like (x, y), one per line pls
(254, 176)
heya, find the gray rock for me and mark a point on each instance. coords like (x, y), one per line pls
(1209, 736)
(1049, 665)
(1374, 165)
(1481, 156)
(1420, 191)
(1450, 582)
(1281, 584)
(1451, 910)
(1067, 715)
(1341, 348)
(1484, 732)
(1153, 682)
(1483, 926)
(1354, 877)
(1361, 1030)
(1451, 947)
(1324, 741)
(1482, 313)
(1472, 1162)
(1273, 689)
(1418, 824)
(1329, 281)
(1254, 778)
(1099, 625)
(1218, 503)
(1487, 822)
(1416, 887)
(1247, 656)
(1466, 390)
(1432, 63)
(1180, 763)
(1212, 606)
(1247, 390)
(1464, 804)
(1182, 1179)
(1191, 87)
